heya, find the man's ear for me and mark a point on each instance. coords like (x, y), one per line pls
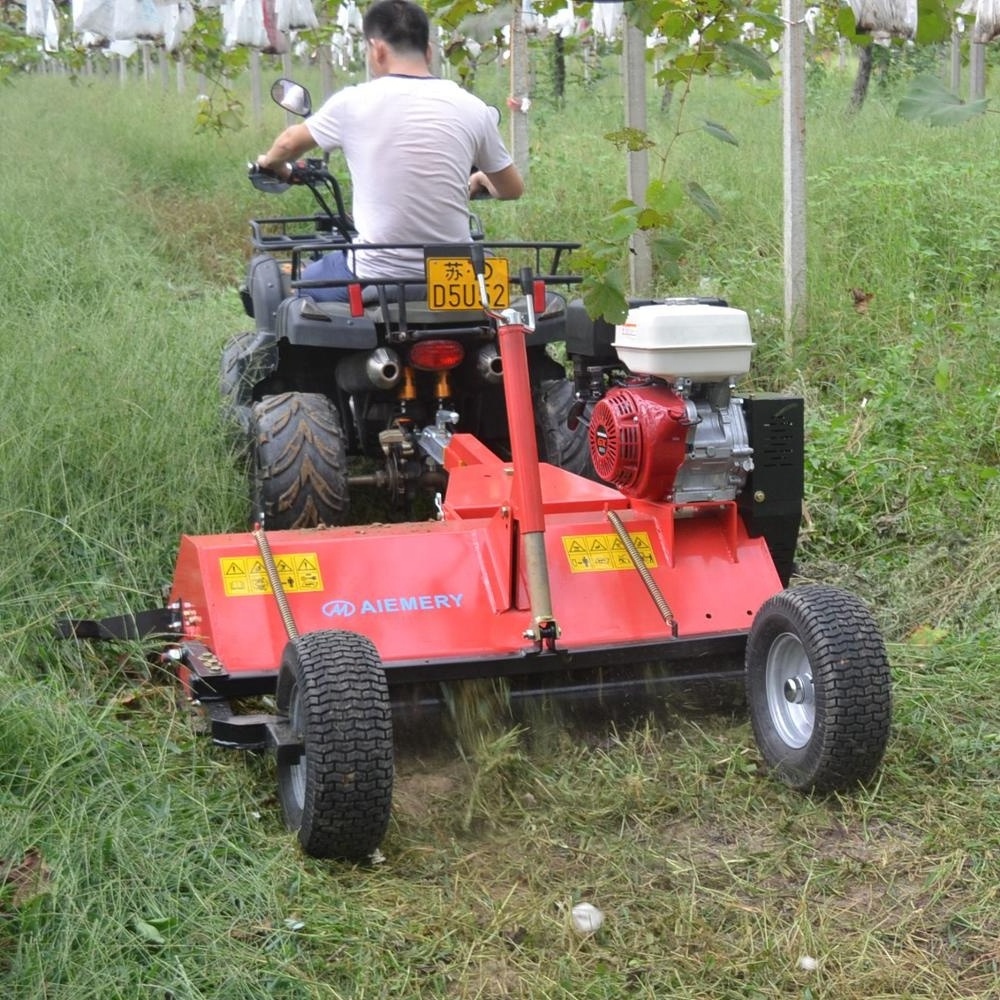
(379, 51)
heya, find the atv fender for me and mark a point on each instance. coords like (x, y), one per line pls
(307, 323)
(267, 287)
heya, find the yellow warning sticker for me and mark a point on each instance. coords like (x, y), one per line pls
(244, 576)
(597, 553)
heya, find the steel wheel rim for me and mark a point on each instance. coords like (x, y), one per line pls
(791, 696)
(297, 771)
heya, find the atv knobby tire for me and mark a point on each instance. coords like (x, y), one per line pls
(819, 688)
(558, 445)
(234, 385)
(338, 794)
(298, 469)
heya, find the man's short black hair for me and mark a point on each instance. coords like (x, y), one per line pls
(399, 23)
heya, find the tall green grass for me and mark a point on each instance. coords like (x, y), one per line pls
(136, 860)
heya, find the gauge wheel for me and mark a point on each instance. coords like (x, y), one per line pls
(559, 445)
(336, 793)
(819, 688)
(298, 472)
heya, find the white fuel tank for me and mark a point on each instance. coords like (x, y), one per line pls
(692, 340)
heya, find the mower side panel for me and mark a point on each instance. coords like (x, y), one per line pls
(451, 590)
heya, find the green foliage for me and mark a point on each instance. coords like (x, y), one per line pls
(927, 99)
(717, 48)
(17, 51)
(218, 110)
(934, 21)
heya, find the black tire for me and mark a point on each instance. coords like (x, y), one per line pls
(819, 688)
(558, 445)
(338, 794)
(298, 472)
(234, 387)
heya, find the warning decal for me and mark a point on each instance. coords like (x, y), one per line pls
(596, 553)
(243, 576)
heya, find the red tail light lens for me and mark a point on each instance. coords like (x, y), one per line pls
(436, 355)
(539, 296)
(354, 299)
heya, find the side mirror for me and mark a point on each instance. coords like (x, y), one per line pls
(292, 97)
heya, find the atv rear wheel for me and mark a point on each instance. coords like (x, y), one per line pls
(558, 445)
(234, 387)
(298, 473)
(338, 794)
(819, 688)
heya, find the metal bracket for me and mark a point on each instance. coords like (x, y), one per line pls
(156, 623)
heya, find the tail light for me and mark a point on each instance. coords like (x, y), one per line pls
(436, 355)
(355, 300)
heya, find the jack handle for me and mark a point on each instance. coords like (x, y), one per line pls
(534, 291)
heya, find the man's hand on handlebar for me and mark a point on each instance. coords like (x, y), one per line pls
(480, 186)
(283, 171)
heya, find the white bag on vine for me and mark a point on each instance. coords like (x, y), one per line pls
(243, 24)
(987, 24)
(52, 28)
(277, 40)
(137, 19)
(35, 13)
(41, 20)
(886, 18)
(94, 16)
(295, 14)
(178, 19)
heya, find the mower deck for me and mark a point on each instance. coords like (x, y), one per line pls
(448, 599)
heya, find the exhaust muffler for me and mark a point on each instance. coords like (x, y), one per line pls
(489, 367)
(363, 371)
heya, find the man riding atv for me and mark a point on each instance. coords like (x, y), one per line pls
(411, 142)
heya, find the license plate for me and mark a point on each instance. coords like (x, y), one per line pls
(452, 284)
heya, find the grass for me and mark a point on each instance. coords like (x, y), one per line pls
(137, 860)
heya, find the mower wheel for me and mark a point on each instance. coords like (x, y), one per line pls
(338, 793)
(558, 445)
(819, 688)
(298, 474)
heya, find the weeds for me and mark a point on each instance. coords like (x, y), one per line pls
(137, 860)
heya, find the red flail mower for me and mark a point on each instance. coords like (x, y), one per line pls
(669, 561)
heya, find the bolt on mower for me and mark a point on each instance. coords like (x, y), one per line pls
(663, 560)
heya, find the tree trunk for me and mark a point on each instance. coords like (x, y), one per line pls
(559, 69)
(861, 81)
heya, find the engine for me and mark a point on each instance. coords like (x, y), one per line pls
(674, 431)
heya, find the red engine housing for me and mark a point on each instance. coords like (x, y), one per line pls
(638, 439)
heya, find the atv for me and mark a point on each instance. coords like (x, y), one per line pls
(331, 398)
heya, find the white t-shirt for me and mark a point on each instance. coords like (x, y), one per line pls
(410, 143)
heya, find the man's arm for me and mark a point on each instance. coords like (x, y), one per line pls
(288, 147)
(506, 184)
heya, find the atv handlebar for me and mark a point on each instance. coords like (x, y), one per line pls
(267, 180)
(314, 174)
(303, 172)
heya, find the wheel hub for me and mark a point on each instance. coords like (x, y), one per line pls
(298, 770)
(791, 696)
(795, 690)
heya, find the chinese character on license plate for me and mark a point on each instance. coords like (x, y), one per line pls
(452, 284)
